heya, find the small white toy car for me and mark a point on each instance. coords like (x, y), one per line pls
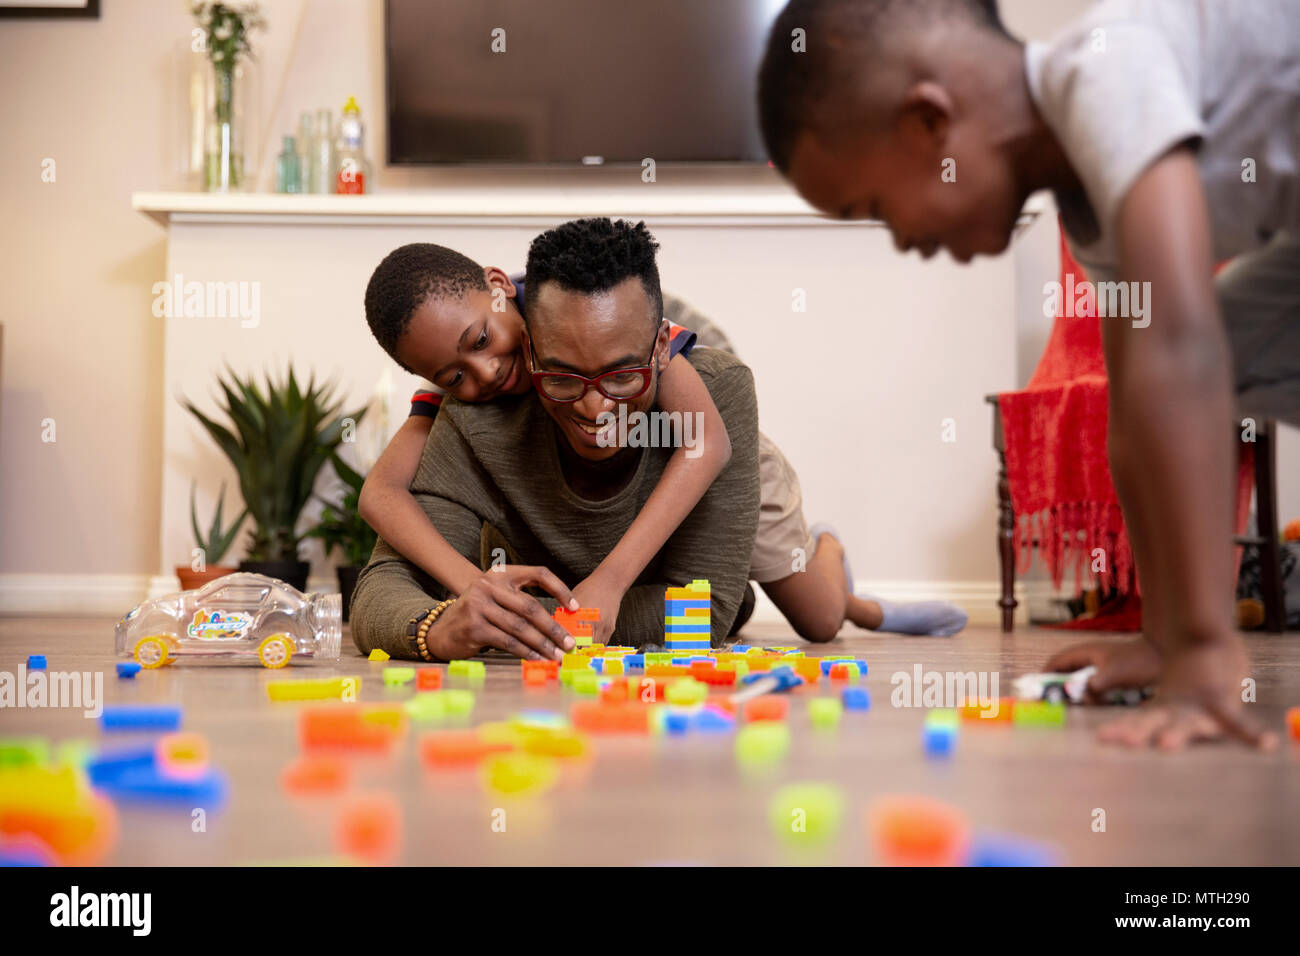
(240, 615)
(1072, 688)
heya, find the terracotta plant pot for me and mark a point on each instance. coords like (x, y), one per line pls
(191, 579)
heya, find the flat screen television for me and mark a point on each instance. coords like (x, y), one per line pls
(574, 81)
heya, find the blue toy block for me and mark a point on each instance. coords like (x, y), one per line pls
(862, 667)
(671, 629)
(634, 662)
(785, 677)
(679, 608)
(22, 856)
(994, 850)
(111, 764)
(127, 669)
(140, 718)
(687, 645)
(598, 665)
(738, 648)
(149, 785)
(677, 722)
(713, 722)
(36, 662)
(939, 740)
(855, 698)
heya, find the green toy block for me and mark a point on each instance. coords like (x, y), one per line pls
(458, 703)
(686, 691)
(586, 683)
(24, 751)
(397, 676)
(807, 814)
(428, 706)
(825, 712)
(762, 743)
(942, 717)
(1038, 713)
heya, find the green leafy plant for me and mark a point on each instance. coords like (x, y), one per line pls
(341, 525)
(281, 438)
(217, 541)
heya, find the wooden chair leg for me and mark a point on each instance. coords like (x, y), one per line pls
(1270, 554)
(1006, 547)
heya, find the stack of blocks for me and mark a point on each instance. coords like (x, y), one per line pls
(579, 624)
(687, 621)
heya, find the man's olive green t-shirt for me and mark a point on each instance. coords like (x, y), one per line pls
(498, 465)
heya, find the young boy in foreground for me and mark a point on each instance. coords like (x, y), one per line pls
(1169, 132)
(460, 326)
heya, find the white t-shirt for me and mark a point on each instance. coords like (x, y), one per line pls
(1132, 79)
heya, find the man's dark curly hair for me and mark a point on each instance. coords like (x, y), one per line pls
(594, 255)
(845, 39)
(410, 275)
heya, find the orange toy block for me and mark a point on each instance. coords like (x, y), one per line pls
(1293, 721)
(976, 714)
(370, 827)
(458, 748)
(597, 717)
(918, 831)
(578, 623)
(315, 774)
(809, 668)
(709, 674)
(428, 678)
(343, 728)
(771, 707)
(537, 673)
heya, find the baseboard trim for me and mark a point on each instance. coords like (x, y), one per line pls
(114, 594)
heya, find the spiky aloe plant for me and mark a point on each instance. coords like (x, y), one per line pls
(218, 539)
(281, 438)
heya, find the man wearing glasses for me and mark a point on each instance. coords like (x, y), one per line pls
(534, 479)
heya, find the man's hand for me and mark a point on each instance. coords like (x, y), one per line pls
(495, 612)
(597, 591)
(1120, 664)
(1199, 699)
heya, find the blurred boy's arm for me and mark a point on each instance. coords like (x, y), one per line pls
(688, 475)
(1171, 412)
(387, 505)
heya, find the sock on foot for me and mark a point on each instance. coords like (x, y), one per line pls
(925, 618)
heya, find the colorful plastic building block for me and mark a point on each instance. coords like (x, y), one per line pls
(450, 748)
(918, 831)
(586, 683)
(688, 622)
(824, 712)
(1038, 713)
(846, 670)
(579, 624)
(762, 744)
(766, 708)
(518, 774)
(473, 671)
(998, 711)
(397, 676)
(315, 774)
(428, 678)
(127, 669)
(686, 691)
(24, 751)
(370, 827)
(140, 717)
(324, 688)
(154, 786)
(995, 850)
(856, 698)
(427, 706)
(807, 814)
(183, 755)
(36, 662)
(1293, 721)
(343, 727)
(939, 740)
(56, 807)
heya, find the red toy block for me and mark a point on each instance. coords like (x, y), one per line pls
(1293, 721)
(708, 674)
(370, 827)
(315, 774)
(458, 748)
(615, 692)
(428, 678)
(918, 831)
(537, 673)
(771, 707)
(610, 718)
(578, 623)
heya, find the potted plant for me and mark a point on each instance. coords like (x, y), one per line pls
(280, 438)
(210, 547)
(341, 526)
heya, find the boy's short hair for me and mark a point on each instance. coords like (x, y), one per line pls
(843, 38)
(594, 255)
(407, 278)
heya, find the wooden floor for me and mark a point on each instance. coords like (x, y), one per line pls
(684, 800)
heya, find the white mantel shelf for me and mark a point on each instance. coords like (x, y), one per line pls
(708, 206)
(747, 206)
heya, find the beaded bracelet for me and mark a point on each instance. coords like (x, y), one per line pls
(418, 628)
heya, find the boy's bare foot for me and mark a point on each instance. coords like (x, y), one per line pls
(1199, 698)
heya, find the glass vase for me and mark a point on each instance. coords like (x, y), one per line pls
(230, 133)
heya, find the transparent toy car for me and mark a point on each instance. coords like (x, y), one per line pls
(241, 616)
(1072, 688)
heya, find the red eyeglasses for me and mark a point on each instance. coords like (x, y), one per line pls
(620, 385)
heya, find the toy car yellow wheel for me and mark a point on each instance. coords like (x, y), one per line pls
(275, 651)
(150, 652)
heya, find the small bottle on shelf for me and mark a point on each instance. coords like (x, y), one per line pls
(288, 175)
(352, 168)
(306, 143)
(322, 162)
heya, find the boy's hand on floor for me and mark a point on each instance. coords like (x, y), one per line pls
(595, 591)
(1120, 664)
(1199, 698)
(494, 611)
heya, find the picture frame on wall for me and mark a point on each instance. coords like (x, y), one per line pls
(50, 9)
